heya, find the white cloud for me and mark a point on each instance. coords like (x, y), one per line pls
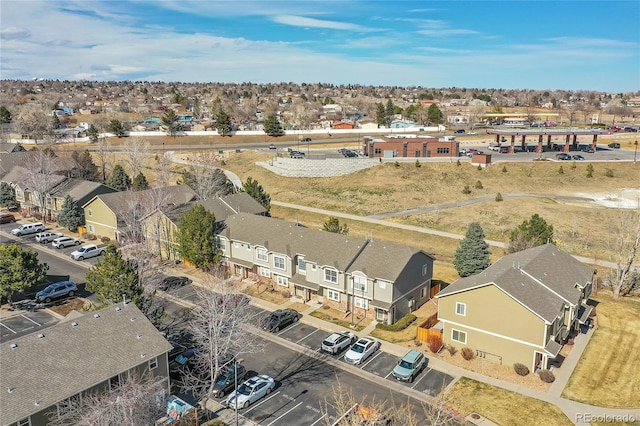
(13, 33)
(301, 21)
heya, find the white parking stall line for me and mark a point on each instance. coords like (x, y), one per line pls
(307, 336)
(261, 402)
(421, 377)
(290, 410)
(321, 418)
(372, 358)
(7, 327)
(36, 323)
(390, 373)
(288, 328)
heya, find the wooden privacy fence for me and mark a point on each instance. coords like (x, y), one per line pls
(424, 329)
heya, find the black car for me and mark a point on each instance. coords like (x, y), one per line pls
(173, 282)
(563, 156)
(227, 381)
(614, 145)
(280, 319)
(588, 149)
(306, 140)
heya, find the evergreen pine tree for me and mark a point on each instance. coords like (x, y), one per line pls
(119, 179)
(114, 278)
(257, 192)
(530, 233)
(196, 237)
(8, 196)
(223, 123)
(472, 255)
(140, 182)
(70, 215)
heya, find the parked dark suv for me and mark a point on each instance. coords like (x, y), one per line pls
(280, 319)
(563, 156)
(227, 380)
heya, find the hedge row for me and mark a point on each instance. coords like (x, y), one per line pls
(401, 324)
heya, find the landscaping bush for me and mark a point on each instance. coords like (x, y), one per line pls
(504, 169)
(499, 197)
(547, 376)
(401, 324)
(561, 170)
(451, 349)
(479, 185)
(467, 353)
(458, 163)
(418, 165)
(105, 239)
(590, 171)
(479, 167)
(521, 369)
(91, 237)
(434, 341)
(608, 173)
(396, 164)
(466, 190)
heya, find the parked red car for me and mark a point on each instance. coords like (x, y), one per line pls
(7, 218)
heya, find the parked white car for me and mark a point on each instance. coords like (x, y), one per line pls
(47, 237)
(250, 391)
(361, 350)
(87, 251)
(337, 342)
(63, 242)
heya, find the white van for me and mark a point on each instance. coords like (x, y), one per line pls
(28, 228)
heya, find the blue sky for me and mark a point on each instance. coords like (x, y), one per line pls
(503, 44)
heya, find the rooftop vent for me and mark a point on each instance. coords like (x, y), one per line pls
(96, 316)
(37, 403)
(139, 336)
(118, 308)
(143, 355)
(13, 345)
(40, 336)
(74, 324)
(133, 319)
(10, 390)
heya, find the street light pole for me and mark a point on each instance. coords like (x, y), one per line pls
(635, 152)
(235, 377)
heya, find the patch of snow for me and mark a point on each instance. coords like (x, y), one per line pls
(624, 198)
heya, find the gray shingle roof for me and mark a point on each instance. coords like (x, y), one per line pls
(70, 359)
(76, 188)
(325, 248)
(21, 176)
(170, 195)
(541, 278)
(384, 260)
(221, 207)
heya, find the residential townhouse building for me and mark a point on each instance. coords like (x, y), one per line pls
(357, 275)
(521, 309)
(43, 372)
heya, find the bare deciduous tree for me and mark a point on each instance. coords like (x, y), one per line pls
(40, 177)
(205, 178)
(35, 122)
(104, 155)
(221, 327)
(137, 151)
(139, 400)
(622, 277)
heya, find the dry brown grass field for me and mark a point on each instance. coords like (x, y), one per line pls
(607, 374)
(581, 227)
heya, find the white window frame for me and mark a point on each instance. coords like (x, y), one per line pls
(460, 333)
(425, 269)
(91, 228)
(264, 272)
(333, 295)
(262, 254)
(331, 270)
(302, 270)
(382, 284)
(276, 258)
(360, 302)
(461, 309)
(236, 244)
(423, 292)
(360, 283)
(283, 281)
(153, 363)
(25, 422)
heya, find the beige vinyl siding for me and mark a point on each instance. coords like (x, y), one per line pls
(101, 218)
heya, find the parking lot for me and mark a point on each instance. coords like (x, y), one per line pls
(23, 322)
(381, 364)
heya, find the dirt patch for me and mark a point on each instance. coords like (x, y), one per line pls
(298, 306)
(341, 318)
(77, 304)
(268, 293)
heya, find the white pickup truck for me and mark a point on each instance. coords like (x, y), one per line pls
(47, 237)
(87, 251)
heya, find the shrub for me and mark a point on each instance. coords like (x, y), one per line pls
(105, 239)
(608, 173)
(435, 342)
(547, 376)
(417, 342)
(479, 185)
(479, 167)
(467, 353)
(498, 197)
(37, 215)
(561, 170)
(396, 164)
(521, 369)
(418, 165)
(88, 236)
(401, 324)
(466, 190)
(451, 349)
(504, 169)
(458, 163)
(590, 171)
